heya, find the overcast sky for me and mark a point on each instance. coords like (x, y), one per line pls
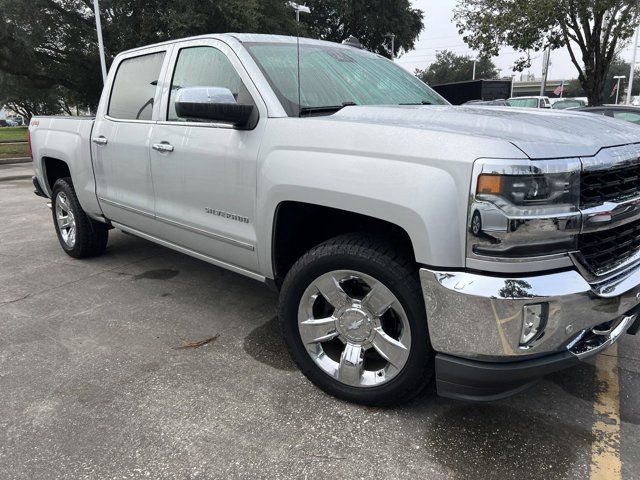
(440, 33)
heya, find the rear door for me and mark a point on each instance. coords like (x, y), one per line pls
(120, 139)
(205, 186)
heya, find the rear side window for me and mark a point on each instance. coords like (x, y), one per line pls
(134, 87)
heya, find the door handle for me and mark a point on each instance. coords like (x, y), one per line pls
(99, 140)
(162, 147)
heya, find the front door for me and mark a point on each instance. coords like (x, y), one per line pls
(205, 173)
(120, 142)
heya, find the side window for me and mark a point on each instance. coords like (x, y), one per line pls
(134, 87)
(628, 116)
(205, 67)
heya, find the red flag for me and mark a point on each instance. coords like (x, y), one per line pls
(559, 89)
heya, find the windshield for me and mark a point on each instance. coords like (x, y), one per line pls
(335, 76)
(563, 104)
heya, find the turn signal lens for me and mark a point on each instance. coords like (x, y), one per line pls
(489, 184)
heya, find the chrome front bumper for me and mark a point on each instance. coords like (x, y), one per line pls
(479, 317)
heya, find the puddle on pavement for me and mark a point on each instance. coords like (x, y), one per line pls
(501, 442)
(266, 345)
(159, 274)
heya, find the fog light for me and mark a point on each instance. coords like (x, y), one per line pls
(534, 319)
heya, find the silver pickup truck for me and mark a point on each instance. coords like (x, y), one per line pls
(409, 239)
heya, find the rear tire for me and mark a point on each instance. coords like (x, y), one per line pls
(347, 318)
(80, 236)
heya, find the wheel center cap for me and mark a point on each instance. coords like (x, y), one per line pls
(354, 324)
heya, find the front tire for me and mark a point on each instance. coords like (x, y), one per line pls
(353, 317)
(79, 235)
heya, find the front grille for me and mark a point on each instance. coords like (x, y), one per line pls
(602, 250)
(613, 184)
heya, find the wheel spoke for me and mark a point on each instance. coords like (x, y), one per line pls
(351, 364)
(378, 300)
(331, 290)
(64, 222)
(389, 348)
(315, 330)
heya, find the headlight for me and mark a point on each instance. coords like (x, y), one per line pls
(521, 210)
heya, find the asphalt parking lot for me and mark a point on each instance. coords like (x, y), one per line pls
(93, 383)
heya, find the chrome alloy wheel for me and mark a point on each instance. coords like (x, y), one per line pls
(354, 328)
(66, 220)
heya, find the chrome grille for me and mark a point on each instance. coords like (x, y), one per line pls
(601, 250)
(613, 184)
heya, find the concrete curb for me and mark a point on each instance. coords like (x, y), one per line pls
(12, 141)
(9, 161)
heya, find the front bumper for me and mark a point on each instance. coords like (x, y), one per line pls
(475, 324)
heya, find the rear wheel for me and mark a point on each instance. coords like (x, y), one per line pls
(79, 235)
(353, 318)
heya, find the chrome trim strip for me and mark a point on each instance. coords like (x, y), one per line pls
(197, 124)
(520, 265)
(206, 233)
(610, 215)
(193, 253)
(126, 120)
(126, 207)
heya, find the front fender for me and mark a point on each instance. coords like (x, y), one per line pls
(422, 200)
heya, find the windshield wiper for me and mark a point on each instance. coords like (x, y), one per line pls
(327, 109)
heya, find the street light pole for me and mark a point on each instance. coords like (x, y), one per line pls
(545, 71)
(633, 67)
(103, 63)
(392, 36)
(618, 77)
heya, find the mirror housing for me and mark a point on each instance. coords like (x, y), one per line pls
(211, 103)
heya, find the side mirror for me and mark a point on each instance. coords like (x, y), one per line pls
(211, 103)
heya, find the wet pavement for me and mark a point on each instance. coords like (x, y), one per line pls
(93, 384)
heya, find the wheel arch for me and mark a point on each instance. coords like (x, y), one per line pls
(294, 231)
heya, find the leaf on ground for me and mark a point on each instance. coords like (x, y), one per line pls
(197, 343)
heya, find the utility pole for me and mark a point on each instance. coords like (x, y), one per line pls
(618, 77)
(392, 36)
(473, 76)
(545, 70)
(103, 62)
(633, 66)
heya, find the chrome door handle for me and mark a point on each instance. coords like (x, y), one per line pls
(99, 140)
(162, 147)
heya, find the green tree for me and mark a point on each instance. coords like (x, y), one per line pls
(619, 67)
(591, 30)
(52, 45)
(451, 67)
(370, 21)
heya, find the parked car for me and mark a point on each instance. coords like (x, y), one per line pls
(353, 192)
(621, 112)
(530, 102)
(494, 103)
(568, 103)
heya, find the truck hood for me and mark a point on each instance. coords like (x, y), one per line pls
(537, 133)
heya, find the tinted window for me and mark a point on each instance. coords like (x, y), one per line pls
(205, 67)
(134, 87)
(628, 116)
(332, 75)
(524, 102)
